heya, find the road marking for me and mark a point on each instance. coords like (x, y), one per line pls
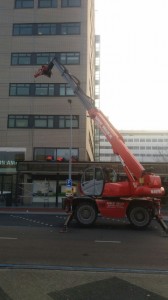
(114, 242)
(7, 238)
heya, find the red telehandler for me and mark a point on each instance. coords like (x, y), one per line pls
(135, 196)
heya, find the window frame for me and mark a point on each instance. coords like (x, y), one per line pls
(48, 119)
(40, 58)
(69, 3)
(52, 121)
(16, 119)
(22, 4)
(53, 90)
(14, 89)
(55, 153)
(53, 4)
(33, 29)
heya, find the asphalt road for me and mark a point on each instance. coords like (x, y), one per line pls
(36, 239)
(108, 261)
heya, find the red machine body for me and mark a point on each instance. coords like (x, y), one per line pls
(136, 196)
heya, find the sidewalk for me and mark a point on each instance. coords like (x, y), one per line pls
(22, 284)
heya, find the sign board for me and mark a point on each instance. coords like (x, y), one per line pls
(69, 182)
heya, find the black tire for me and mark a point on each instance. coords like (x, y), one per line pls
(139, 217)
(86, 214)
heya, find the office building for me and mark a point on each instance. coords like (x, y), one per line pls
(35, 114)
(147, 146)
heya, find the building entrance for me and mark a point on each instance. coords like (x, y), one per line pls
(7, 189)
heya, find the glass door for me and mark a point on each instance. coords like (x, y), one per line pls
(6, 190)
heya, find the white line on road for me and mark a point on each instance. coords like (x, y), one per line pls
(114, 242)
(7, 238)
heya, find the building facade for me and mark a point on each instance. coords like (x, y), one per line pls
(147, 146)
(35, 114)
(97, 94)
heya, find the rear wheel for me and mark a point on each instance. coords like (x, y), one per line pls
(139, 217)
(86, 214)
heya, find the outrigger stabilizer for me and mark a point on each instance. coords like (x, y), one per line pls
(67, 206)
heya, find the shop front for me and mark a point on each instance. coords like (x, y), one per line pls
(9, 158)
(44, 184)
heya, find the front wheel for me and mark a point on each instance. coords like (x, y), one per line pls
(139, 217)
(86, 214)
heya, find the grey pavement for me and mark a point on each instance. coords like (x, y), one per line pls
(26, 284)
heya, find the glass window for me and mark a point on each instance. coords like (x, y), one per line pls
(40, 89)
(65, 90)
(46, 29)
(70, 3)
(64, 153)
(65, 121)
(43, 121)
(70, 28)
(24, 3)
(19, 89)
(70, 58)
(22, 29)
(44, 58)
(75, 121)
(18, 121)
(21, 58)
(44, 89)
(42, 153)
(47, 3)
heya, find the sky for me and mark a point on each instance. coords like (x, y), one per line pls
(134, 62)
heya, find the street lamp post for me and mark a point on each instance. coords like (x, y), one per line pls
(70, 145)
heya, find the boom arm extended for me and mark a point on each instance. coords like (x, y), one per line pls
(130, 164)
